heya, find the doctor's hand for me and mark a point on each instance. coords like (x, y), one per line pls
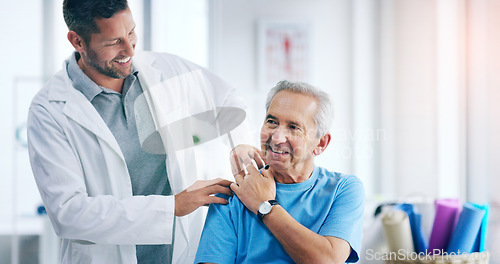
(242, 155)
(201, 193)
(255, 188)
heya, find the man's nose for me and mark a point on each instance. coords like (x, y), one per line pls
(129, 47)
(279, 136)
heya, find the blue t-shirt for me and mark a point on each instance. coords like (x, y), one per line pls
(328, 203)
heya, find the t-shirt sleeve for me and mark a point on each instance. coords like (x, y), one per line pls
(345, 219)
(218, 243)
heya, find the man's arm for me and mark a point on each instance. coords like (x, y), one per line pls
(302, 244)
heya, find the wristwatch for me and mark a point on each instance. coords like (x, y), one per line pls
(265, 208)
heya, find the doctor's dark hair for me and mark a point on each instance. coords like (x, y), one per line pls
(80, 15)
(324, 115)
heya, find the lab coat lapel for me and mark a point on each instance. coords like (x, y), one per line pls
(90, 119)
(78, 108)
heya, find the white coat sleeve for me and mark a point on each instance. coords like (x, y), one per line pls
(103, 219)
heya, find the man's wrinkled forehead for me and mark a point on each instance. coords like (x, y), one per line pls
(296, 107)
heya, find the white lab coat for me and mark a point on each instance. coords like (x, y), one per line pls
(82, 175)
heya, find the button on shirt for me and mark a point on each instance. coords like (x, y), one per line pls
(147, 171)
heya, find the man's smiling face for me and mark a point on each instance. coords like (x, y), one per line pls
(288, 135)
(109, 53)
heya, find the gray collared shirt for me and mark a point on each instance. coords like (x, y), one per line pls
(147, 171)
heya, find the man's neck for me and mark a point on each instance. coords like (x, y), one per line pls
(293, 175)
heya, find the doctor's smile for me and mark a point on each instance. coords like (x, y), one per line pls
(124, 62)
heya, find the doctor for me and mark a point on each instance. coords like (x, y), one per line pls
(112, 168)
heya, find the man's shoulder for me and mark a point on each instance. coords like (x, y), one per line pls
(341, 181)
(323, 172)
(233, 210)
(50, 91)
(234, 203)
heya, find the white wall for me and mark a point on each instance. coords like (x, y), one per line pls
(483, 112)
(494, 97)
(414, 98)
(442, 99)
(483, 95)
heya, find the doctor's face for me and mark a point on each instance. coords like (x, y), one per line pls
(288, 135)
(109, 52)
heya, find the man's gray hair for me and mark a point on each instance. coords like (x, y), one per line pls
(324, 115)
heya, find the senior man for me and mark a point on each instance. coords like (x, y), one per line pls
(290, 211)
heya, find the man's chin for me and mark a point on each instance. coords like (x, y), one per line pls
(120, 74)
(126, 73)
(115, 71)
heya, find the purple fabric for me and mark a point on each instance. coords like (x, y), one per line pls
(447, 213)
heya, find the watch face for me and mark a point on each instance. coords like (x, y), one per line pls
(265, 208)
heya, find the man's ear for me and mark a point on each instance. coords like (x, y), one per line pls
(323, 143)
(76, 41)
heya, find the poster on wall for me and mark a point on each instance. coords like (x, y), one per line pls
(283, 52)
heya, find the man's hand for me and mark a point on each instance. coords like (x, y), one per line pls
(201, 193)
(242, 155)
(254, 188)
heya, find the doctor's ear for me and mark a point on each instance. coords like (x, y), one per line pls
(323, 143)
(76, 41)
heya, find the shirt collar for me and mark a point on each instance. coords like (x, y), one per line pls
(83, 83)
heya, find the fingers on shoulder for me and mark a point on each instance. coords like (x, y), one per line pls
(218, 200)
(224, 182)
(235, 187)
